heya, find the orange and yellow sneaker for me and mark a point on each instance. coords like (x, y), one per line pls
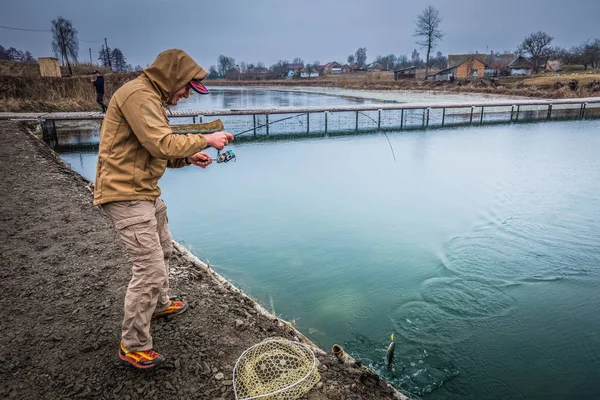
(175, 308)
(140, 359)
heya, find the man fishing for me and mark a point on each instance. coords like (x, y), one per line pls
(136, 146)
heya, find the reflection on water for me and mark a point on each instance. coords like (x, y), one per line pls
(478, 248)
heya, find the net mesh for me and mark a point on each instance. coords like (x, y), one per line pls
(275, 369)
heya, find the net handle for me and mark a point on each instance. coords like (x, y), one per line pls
(280, 390)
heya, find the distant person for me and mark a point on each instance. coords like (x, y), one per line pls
(99, 84)
(136, 146)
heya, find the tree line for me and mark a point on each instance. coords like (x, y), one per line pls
(13, 54)
(537, 47)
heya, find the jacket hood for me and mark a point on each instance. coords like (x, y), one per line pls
(171, 70)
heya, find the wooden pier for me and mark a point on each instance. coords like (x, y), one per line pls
(355, 118)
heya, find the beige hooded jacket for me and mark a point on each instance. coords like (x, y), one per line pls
(136, 142)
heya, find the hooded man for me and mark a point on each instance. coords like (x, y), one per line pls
(136, 146)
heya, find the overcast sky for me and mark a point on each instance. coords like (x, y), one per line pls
(270, 30)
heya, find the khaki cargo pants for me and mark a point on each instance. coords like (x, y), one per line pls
(143, 228)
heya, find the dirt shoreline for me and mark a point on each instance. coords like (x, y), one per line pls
(25, 93)
(63, 277)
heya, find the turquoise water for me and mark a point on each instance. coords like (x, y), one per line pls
(479, 248)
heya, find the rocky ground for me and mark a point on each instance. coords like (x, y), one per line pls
(63, 274)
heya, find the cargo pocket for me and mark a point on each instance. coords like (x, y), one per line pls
(140, 234)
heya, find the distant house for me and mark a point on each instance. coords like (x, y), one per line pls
(520, 66)
(376, 67)
(496, 64)
(554, 66)
(448, 74)
(405, 73)
(471, 67)
(309, 73)
(330, 68)
(293, 69)
(346, 68)
(357, 68)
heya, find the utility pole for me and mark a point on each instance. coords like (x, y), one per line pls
(91, 62)
(107, 55)
(62, 39)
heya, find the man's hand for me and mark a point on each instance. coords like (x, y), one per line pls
(218, 140)
(200, 159)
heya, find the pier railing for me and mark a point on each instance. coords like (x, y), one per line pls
(302, 121)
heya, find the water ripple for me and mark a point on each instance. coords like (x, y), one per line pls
(425, 323)
(467, 298)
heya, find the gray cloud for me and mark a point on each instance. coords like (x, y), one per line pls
(263, 30)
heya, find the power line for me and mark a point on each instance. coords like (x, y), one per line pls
(23, 29)
(45, 30)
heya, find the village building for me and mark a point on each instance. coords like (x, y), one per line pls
(554, 66)
(376, 67)
(471, 67)
(293, 69)
(405, 73)
(496, 63)
(520, 66)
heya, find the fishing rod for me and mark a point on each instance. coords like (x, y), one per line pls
(229, 155)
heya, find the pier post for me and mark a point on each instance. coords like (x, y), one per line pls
(471, 120)
(194, 119)
(518, 109)
(326, 113)
(443, 116)
(200, 118)
(423, 123)
(379, 119)
(428, 109)
(402, 119)
(549, 111)
(357, 121)
(512, 110)
(267, 124)
(583, 111)
(254, 123)
(481, 117)
(307, 123)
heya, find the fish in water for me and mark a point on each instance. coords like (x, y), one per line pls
(389, 357)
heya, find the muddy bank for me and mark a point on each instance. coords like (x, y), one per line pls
(26, 93)
(63, 275)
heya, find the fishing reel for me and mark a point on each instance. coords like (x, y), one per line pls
(225, 157)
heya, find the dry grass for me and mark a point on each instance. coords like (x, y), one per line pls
(12, 68)
(27, 93)
(583, 78)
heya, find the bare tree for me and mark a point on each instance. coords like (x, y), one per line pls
(537, 47)
(65, 43)
(104, 55)
(428, 32)
(225, 64)
(361, 57)
(279, 68)
(298, 60)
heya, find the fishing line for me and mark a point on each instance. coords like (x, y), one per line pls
(382, 131)
(229, 154)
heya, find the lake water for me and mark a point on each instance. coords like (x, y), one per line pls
(479, 248)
